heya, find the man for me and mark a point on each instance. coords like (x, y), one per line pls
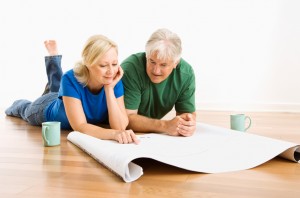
(157, 80)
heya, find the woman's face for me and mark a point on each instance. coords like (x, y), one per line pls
(105, 69)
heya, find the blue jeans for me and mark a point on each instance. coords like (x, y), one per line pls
(35, 112)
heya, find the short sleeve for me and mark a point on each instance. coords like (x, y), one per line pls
(132, 89)
(69, 87)
(186, 100)
(119, 89)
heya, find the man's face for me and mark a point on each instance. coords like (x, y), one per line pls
(158, 70)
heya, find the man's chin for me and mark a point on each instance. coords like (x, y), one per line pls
(156, 80)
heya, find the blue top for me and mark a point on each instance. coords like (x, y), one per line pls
(94, 105)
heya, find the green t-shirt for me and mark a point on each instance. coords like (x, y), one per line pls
(156, 100)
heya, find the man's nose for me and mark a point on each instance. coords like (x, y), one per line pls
(156, 70)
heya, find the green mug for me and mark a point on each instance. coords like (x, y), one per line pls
(238, 121)
(51, 133)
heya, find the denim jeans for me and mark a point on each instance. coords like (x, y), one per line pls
(35, 112)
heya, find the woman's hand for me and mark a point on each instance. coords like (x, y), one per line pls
(116, 79)
(126, 137)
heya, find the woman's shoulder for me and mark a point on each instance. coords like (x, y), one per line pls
(69, 74)
(69, 77)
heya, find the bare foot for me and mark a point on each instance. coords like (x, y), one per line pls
(51, 47)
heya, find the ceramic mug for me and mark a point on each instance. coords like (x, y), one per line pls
(51, 133)
(238, 122)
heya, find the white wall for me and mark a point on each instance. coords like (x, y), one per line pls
(245, 53)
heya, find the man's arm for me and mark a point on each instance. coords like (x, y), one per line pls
(179, 125)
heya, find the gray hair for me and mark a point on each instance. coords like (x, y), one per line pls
(165, 44)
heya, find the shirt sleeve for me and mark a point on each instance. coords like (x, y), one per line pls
(186, 100)
(69, 87)
(119, 89)
(132, 88)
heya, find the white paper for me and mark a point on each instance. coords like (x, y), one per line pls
(211, 149)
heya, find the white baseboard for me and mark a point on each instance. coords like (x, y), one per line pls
(293, 108)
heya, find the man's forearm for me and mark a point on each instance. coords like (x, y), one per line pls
(140, 123)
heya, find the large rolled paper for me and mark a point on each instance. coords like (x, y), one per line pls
(211, 149)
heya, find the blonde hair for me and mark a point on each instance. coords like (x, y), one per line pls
(165, 44)
(95, 47)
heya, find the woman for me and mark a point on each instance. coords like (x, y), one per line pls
(89, 94)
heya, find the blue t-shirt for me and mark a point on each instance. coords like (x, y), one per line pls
(94, 105)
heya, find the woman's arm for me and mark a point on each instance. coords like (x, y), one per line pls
(118, 118)
(79, 123)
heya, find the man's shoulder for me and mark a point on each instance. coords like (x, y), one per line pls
(134, 65)
(185, 68)
(134, 59)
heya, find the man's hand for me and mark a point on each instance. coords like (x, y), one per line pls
(183, 124)
(172, 126)
(187, 125)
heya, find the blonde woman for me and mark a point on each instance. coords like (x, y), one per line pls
(88, 95)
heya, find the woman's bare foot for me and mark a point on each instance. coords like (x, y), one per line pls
(51, 47)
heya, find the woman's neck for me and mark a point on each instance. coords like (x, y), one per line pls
(94, 87)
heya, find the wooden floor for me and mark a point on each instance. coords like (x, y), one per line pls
(27, 169)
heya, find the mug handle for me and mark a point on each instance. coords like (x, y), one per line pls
(44, 129)
(247, 117)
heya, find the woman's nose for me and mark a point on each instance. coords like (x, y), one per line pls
(109, 70)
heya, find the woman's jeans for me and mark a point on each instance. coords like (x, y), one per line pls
(35, 112)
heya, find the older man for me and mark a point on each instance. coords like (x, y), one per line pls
(157, 80)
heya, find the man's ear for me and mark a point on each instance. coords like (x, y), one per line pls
(175, 64)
